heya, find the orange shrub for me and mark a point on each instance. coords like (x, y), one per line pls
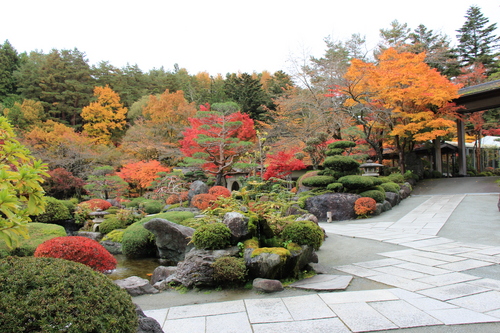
(97, 203)
(365, 206)
(172, 199)
(219, 191)
(203, 201)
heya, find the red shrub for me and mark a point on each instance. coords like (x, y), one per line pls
(203, 201)
(97, 203)
(365, 206)
(79, 249)
(219, 191)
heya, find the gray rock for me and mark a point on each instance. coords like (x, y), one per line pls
(307, 217)
(267, 285)
(340, 204)
(196, 269)
(197, 187)
(136, 286)
(161, 273)
(405, 190)
(164, 284)
(97, 236)
(386, 206)
(238, 224)
(379, 209)
(112, 247)
(264, 265)
(172, 239)
(393, 198)
(146, 324)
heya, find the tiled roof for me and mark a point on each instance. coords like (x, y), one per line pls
(483, 87)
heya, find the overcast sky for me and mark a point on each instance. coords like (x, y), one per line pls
(217, 36)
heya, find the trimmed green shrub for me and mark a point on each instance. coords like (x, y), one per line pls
(39, 233)
(137, 241)
(212, 236)
(374, 194)
(153, 206)
(318, 181)
(437, 174)
(303, 233)
(355, 182)
(335, 187)
(378, 188)
(396, 178)
(376, 180)
(79, 249)
(114, 236)
(55, 210)
(391, 187)
(229, 270)
(342, 145)
(308, 174)
(56, 295)
(334, 151)
(111, 223)
(342, 164)
(70, 204)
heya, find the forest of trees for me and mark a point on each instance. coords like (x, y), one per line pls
(81, 117)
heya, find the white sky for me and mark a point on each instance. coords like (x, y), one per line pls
(217, 36)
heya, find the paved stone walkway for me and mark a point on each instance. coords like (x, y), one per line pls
(430, 280)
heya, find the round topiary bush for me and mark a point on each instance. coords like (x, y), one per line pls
(152, 206)
(303, 233)
(203, 201)
(378, 196)
(55, 210)
(55, 295)
(229, 270)
(78, 249)
(365, 206)
(111, 223)
(318, 181)
(212, 236)
(341, 163)
(342, 145)
(219, 191)
(391, 187)
(354, 182)
(137, 241)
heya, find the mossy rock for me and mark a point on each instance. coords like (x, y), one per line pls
(212, 236)
(303, 233)
(281, 251)
(57, 295)
(39, 233)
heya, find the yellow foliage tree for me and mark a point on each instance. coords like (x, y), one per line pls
(414, 98)
(105, 118)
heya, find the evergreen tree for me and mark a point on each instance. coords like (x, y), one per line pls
(249, 94)
(477, 43)
(9, 61)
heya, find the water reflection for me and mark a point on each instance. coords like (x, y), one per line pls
(127, 267)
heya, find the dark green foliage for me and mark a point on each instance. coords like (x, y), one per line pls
(396, 178)
(318, 181)
(335, 187)
(56, 295)
(138, 241)
(391, 187)
(378, 188)
(334, 151)
(70, 204)
(378, 196)
(55, 210)
(303, 233)
(342, 145)
(342, 163)
(39, 233)
(9, 61)
(229, 270)
(212, 236)
(437, 174)
(153, 206)
(111, 223)
(355, 183)
(376, 180)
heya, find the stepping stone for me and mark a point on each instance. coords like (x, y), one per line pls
(324, 282)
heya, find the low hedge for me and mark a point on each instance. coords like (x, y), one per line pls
(56, 295)
(335, 187)
(303, 233)
(341, 163)
(355, 182)
(378, 196)
(391, 187)
(318, 181)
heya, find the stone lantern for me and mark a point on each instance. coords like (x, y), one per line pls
(98, 217)
(370, 168)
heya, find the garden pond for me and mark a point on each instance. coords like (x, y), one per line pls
(127, 267)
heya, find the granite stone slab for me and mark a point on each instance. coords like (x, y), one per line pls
(404, 314)
(185, 325)
(482, 302)
(358, 296)
(361, 317)
(307, 307)
(227, 323)
(324, 282)
(447, 279)
(317, 326)
(461, 316)
(453, 291)
(208, 309)
(267, 310)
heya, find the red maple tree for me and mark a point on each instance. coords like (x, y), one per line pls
(282, 164)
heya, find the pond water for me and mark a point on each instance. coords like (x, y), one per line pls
(127, 267)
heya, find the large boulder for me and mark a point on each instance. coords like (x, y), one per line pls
(238, 224)
(146, 324)
(136, 286)
(405, 190)
(162, 273)
(196, 269)
(197, 187)
(112, 247)
(340, 204)
(172, 239)
(393, 198)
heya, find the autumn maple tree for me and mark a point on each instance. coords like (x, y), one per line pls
(104, 118)
(282, 164)
(141, 174)
(217, 140)
(407, 97)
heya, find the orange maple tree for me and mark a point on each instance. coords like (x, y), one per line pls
(104, 118)
(413, 98)
(141, 174)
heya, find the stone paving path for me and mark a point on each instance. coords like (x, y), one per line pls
(430, 286)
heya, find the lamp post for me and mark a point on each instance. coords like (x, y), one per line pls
(370, 168)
